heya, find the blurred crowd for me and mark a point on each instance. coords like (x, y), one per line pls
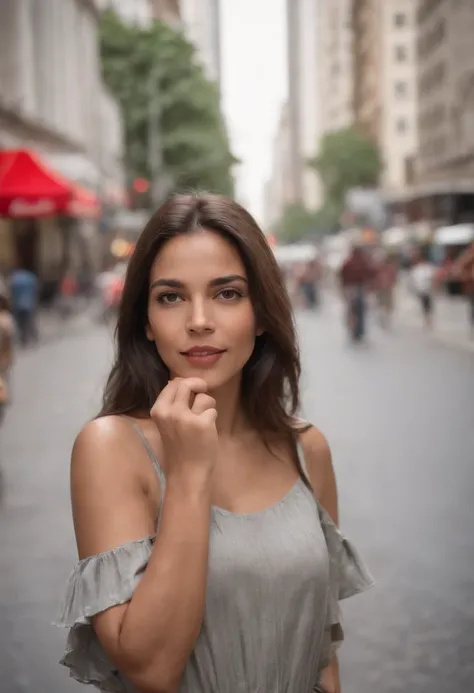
(370, 276)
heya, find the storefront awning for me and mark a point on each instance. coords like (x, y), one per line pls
(28, 188)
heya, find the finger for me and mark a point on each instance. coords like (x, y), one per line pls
(167, 395)
(203, 402)
(186, 390)
(196, 384)
(209, 416)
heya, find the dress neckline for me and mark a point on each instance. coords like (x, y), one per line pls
(293, 491)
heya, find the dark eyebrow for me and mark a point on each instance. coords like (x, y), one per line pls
(219, 281)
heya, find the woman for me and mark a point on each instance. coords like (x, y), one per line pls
(207, 565)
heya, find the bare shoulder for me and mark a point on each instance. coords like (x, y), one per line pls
(110, 486)
(320, 468)
(317, 452)
(104, 439)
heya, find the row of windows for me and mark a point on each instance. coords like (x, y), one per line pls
(400, 54)
(431, 40)
(401, 89)
(401, 125)
(433, 78)
(400, 19)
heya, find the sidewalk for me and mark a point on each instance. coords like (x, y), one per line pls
(451, 325)
(51, 326)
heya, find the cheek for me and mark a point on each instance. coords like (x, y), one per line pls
(243, 327)
(161, 328)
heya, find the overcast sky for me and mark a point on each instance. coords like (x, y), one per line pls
(254, 87)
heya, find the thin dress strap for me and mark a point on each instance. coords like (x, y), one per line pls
(302, 459)
(301, 426)
(150, 451)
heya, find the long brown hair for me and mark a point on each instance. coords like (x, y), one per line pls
(270, 380)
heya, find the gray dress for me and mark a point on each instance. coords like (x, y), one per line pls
(272, 618)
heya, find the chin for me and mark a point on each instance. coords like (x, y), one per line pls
(213, 377)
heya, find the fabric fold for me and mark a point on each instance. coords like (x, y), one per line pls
(348, 576)
(96, 584)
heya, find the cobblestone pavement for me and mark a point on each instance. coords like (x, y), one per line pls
(399, 415)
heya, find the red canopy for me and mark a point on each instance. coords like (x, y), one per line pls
(28, 188)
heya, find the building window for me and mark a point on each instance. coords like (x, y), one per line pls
(401, 125)
(401, 54)
(400, 19)
(400, 89)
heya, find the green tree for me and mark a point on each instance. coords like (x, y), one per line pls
(326, 219)
(196, 148)
(346, 160)
(295, 224)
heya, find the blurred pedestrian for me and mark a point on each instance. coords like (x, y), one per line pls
(356, 278)
(463, 269)
(422, 283)
(203, 507)
(309, 282)
(68, 294)
(24, 300)
(386, 274)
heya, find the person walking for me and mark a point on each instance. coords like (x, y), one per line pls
(205, 509)
(356, 278)
(24, 300)
(422, 283)
(463, 269)
(386, 275)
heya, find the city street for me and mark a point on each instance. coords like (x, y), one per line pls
(399, 414)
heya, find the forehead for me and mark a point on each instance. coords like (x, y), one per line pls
(198, 254)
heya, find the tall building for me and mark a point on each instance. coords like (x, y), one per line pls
(367, 47)
(446, 93)
(47, 49)
(385, 84)
(167, 11)
(303, 100)
(201, 21)
(53, 107)
(139, 12)
(279, 188)
(399, 116)
(335, 59)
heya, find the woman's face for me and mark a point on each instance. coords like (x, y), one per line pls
(199, 311)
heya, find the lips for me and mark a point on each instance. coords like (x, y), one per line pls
(203, 356)
(203, 351)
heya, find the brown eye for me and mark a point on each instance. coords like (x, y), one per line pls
(229, 294)
(169, 298)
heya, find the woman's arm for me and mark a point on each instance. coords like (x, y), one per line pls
(150, 638)
(323, 480)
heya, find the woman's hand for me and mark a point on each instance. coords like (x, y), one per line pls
(186, 419)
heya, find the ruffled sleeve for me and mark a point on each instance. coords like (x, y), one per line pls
(96, 584)
(348, 576)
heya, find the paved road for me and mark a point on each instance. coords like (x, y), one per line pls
(400, 417)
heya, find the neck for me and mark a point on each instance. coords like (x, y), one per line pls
(230, 417)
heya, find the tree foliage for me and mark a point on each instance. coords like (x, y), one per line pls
(346, 160)
(195, 144)
(295, 224)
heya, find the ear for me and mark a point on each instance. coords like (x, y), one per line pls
(259, 331)
(149, 333)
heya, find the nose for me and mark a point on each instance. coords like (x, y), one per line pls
(200, 317)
